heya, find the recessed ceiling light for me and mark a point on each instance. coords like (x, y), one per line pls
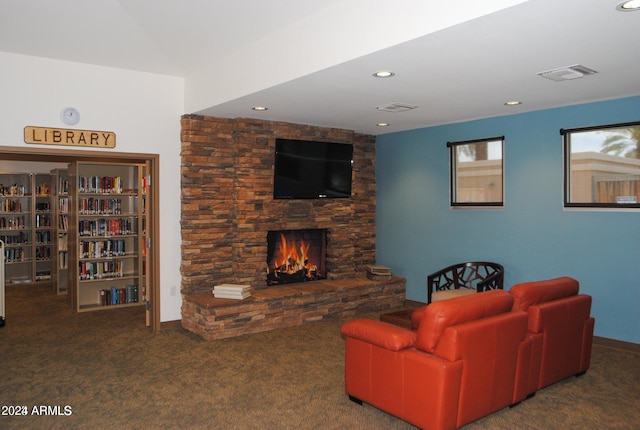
(513, 103)
(260, 108)
(383, 124)
(629, 6)
(383, 74)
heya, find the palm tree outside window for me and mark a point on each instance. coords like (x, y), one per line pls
(602, 166)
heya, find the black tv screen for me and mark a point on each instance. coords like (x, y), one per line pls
(312, 170)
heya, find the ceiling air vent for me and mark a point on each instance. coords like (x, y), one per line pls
(567, 73)
(396, 107)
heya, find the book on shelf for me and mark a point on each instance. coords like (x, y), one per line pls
(378, 273)
(43, 276)
(118, 296)
(232, 291)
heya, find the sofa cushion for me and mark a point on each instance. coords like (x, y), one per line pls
(436, 317)
(531, 293)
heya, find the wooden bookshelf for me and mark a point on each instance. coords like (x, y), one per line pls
(43, 227)
(106, 242)
(61, 209)
(25, 227)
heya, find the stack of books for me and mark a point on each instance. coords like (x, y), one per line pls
(378, 273)
(231, 291)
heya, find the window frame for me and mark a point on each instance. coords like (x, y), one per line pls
(566, 169)
(453, 177)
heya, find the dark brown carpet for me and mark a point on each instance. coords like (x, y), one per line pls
(114, 373)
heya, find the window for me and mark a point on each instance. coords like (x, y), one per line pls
(602, 166)
(477, 172)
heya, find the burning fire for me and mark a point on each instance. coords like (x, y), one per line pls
(293, 258)
(296, 257)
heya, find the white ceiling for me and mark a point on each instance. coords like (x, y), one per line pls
(311, 62)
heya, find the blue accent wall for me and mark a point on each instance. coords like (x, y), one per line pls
(532, 236)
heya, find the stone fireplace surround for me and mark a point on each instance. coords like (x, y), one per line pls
(227, 209)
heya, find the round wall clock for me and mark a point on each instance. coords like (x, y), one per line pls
(69, 115)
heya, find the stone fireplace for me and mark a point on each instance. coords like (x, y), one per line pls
(228, 206)
(296, 256)
(228, 209)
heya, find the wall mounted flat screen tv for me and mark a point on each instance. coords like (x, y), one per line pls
(312, 170)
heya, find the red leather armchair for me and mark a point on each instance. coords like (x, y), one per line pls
(560, 329)
(469, 357)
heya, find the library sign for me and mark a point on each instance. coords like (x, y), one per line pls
(69, 137)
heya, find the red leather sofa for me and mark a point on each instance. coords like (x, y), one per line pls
(560, 328)
(469, 357)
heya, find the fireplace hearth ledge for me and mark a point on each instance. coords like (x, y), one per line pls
(289, 306)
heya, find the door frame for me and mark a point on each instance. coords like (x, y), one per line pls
(46, 155)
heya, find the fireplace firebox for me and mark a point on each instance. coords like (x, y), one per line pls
(296, 256)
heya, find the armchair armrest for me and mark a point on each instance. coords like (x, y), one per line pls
(382, 334)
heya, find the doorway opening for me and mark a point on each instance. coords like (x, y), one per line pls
(61, 156)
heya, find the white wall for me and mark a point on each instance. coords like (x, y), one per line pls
(333, 33)
(142, 109)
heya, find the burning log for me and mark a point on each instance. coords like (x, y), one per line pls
(291, 261)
